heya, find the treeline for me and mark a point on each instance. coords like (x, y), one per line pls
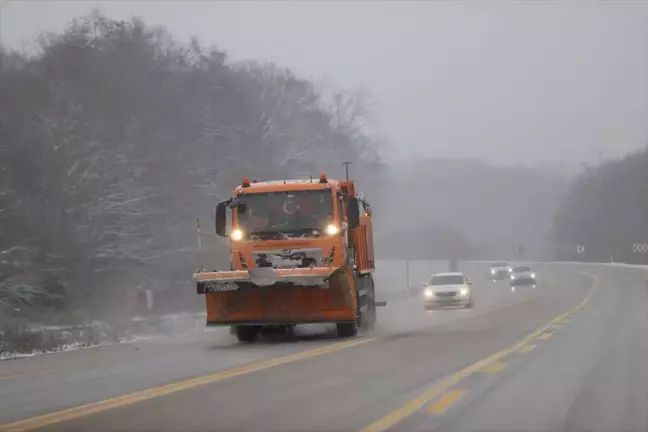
(606, 212)
(115, 138)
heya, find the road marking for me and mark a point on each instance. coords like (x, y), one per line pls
(446, 401)
(494, 368)
(416, 404)
(22, 374)
(526, 349)
(556, 327)
(545, 336)
(96, 407)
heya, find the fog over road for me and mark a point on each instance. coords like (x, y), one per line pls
(569, 355)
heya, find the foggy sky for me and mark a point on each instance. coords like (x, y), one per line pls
(510, 82)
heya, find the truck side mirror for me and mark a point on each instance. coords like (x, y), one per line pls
(221, 218)
(353, 213)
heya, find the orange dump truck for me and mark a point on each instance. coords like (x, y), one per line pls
(301, 252)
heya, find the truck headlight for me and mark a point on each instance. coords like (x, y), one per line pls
(463, 292)
(332, 229)
(533, 275)
(512, 276)
(236, 235)
(493, 271)
(428, 293)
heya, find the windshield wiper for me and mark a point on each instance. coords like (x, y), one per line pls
(304, 230)
(268, 234)
(286, 233)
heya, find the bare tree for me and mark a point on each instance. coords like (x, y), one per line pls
(116, 137)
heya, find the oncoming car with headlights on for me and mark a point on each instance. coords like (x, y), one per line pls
(447, 289)
(522, 275)
(499, 271)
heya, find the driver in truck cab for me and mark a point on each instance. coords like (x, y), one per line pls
(311, 212)
(284, 212)
(254, 219)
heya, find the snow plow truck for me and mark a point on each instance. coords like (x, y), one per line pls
(301, 251)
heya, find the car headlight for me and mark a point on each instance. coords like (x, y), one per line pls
(463, 292)
(236, 235)
(533, 275)
(512, 276)
(493, 270)
(428, 293)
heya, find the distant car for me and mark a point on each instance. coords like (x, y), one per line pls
(499, 271)
(447, 289)
(522, 275)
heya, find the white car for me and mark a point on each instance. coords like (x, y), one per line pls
(522, 275)
(447, 289)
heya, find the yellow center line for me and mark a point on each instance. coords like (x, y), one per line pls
(416, 404)
(96, 407)
(446, 401)
(494, 368)
(545, 336)
(526, 349)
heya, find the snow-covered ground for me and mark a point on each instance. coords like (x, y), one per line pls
(53, 339)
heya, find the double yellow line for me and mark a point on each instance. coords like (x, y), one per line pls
(416, 404)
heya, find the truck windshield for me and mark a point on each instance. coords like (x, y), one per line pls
(285, 212)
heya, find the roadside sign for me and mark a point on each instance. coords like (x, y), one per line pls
(640, 248)
(580, 249)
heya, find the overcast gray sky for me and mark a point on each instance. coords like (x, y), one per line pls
(508, 81)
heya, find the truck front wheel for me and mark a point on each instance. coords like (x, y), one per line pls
(247, 334)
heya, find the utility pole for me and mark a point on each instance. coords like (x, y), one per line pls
(407, 278)
(346, 167)
(1, 4)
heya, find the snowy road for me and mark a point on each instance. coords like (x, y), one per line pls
(517, 362)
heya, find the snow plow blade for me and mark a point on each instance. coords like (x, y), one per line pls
(266, 296)
(238, 280)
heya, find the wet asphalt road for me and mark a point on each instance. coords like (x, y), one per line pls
(494, 368)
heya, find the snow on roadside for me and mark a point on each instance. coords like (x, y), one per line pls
(63, 348)
(95, 334)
